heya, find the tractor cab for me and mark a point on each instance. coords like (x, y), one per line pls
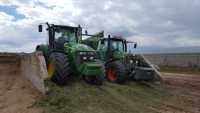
(63, 34)
(58, 35)
(113, 48)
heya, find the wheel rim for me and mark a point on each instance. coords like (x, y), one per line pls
(50, 69)
(111, 75)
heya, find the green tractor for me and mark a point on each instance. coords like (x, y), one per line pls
(120, 65)
(66, 57)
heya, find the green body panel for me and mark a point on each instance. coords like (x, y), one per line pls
(73, 47)
(90, 68)
(117, 55)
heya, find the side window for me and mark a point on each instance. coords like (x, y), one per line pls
(102, 45)
(99, 45)
(58, 35)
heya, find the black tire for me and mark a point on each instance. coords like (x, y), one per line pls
(62, 71)
(118, 70)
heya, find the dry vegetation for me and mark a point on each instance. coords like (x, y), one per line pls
(178, 93)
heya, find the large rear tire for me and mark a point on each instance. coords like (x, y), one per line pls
(58, 67)
(116, 72)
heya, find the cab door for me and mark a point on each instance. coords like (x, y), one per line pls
(102, 49)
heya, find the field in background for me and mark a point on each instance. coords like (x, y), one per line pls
(188, 63)
(175, 59)
(181, 70)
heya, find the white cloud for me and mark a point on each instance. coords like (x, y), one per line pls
(17, 2)
(5, 17)
(151, 23)
(18, 35)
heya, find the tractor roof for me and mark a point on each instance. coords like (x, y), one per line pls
(64, 26)
(117, 38)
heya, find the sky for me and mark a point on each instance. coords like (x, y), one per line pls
(150, 23)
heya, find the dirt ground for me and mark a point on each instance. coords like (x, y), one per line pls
(185, 93)
(16, 93)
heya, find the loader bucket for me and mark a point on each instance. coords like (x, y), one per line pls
(145, 70)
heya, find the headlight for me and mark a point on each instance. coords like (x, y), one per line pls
(86, 56)
(82, 53)
(131, 61)
(91, 53)
(91, 58)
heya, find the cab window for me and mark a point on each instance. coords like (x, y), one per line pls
(117, 46)
(103, 45)
(65, 35)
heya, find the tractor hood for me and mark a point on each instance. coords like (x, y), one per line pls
(118, 55)
(78, 47)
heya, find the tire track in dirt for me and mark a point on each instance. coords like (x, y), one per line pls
(185, 93)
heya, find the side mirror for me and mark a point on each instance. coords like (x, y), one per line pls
(135, 45)
(86, 32)
(40, 28)
(109, 36)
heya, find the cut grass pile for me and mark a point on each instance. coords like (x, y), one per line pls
(80, 97)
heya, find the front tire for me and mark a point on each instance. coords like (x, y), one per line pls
(116, 72)
(58, 67)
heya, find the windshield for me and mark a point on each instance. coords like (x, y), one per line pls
(117, 45)
(65, 35)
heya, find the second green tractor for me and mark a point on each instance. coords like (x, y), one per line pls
(121, 65)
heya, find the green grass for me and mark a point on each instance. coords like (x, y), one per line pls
(80, 97)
